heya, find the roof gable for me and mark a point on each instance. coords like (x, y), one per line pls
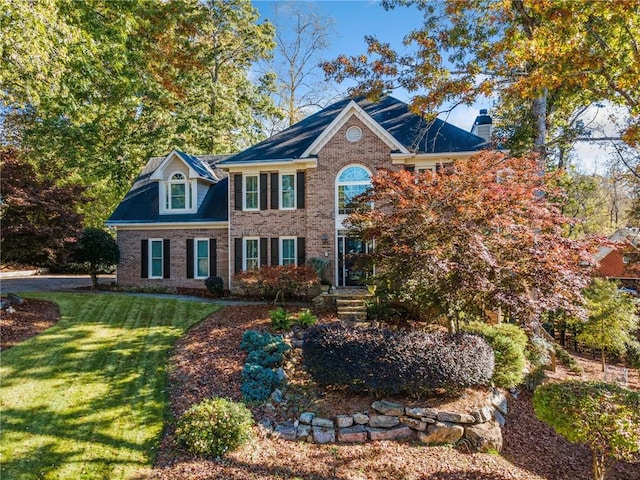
(352, 109)
(197, 168)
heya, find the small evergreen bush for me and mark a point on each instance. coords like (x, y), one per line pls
(392, 362)
(566, 359)
(307, 319)
(215, 285)
(271, 355)
(280, 319)
(254, 340)
(214, 427)
(509, 343)
(257, 382)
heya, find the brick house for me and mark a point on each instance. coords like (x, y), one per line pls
(281, 201)
(620, 261)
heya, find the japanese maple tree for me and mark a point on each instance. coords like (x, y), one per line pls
(481, 236)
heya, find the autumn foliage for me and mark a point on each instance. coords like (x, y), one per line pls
(273, 282)
(479, 237)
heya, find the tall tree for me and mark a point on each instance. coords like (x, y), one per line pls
(302, 35)
(128, 80)
(580, 52)
(485, 236)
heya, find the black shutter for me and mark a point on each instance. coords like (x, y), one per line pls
(275, 251)
(166, 258)
(410, 168)
(275, 187)
(263, 191)
(190, 253)
(213, 257)
(144, 258)
(263, 251)
(237, 255)
(302, 254)
(300, 177)
(237, 191)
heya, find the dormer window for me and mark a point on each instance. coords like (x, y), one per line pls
(178, 193)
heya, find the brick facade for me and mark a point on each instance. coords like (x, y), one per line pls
(129, 269)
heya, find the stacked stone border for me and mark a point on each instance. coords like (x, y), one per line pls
(478, 431)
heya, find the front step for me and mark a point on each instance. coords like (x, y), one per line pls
(351, 305)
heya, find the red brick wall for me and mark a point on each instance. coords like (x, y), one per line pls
(318, 218)
(612, 265)
(129, 268)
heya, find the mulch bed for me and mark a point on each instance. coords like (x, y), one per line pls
(28, 320)
(208, 362)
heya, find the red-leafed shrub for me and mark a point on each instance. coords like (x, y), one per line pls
(392, 362)
(279, 282)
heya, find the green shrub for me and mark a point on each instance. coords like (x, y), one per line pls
(632, 355)
(391, 362)
(257, 382)
(508, 342)
(254, 340)
(280, 319)
(307, 319)
(215, 285)
(214, 427)
(566, 359)
(603, 416)
(270, 355)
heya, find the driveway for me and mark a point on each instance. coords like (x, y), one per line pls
(16, 282)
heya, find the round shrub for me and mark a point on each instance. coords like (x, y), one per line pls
(215, 285)
(392, 362)
(254, 340)
(257, 382)
(509, 343)
(214, 427)
(603, 416)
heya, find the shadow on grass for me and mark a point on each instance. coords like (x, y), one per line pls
(92, 389)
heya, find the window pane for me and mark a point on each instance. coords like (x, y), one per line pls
(203, 267)
(178, 196)
(252, 258)
(202, 258)
(288, 191)
(354, 174)
(156, 249)
(251, 192)
(346, 194)
(156, 267)
(288, 251)
(203, 248)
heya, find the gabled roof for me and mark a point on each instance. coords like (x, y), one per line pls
(411, 131)
(197, 166)
(141, 204)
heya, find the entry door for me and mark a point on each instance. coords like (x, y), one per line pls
(350, 272)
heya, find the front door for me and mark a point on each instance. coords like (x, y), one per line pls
(350, 271)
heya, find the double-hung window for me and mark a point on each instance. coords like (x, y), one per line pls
(288, 191)
(287, 250)
(155, 258)
(178, 193)
(251, 192)
(251, 254)
(201, 257)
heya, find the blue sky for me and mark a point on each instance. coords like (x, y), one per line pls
(356, 18)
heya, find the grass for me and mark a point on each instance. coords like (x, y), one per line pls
(87, 398)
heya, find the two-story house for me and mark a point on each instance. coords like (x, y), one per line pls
(279, 202)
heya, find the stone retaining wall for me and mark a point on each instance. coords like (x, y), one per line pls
(480, 430)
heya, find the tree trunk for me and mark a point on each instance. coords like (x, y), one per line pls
(539, 111)
(602, 359)
(599, 470)
(94, 279)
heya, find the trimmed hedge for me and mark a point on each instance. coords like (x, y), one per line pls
(509, 343)
(214, 427)
(392, 362)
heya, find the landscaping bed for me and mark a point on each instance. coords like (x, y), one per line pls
(29, 319)
(208, 362)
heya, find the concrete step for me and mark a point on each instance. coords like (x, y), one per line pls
(349, 301)
(353, 316)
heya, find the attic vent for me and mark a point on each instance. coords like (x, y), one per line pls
(354, 134)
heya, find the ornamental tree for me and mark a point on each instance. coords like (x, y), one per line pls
(99, 250)
(603, 416)
(482, 235)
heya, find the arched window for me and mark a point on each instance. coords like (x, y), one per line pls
(178, 192)
(352, 181)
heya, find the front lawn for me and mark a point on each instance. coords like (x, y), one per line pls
(87, 398)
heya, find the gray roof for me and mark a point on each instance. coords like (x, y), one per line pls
(411, 130)
(141, 204)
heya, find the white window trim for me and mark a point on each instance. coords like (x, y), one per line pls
(244, 193)
(190, 194)
(295, 190)
(341, 216)
(195, 258)
(244, 251)
(281, 250)
(150, 259)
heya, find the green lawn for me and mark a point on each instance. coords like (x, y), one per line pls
(87, 398)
